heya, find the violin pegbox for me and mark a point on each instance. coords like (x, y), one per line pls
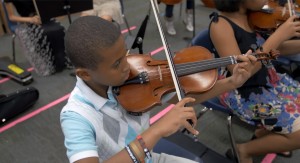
(266, 58)
(263, 56)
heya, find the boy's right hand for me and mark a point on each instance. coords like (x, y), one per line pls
(177, 118)
(289, 29)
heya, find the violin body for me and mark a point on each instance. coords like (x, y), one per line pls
(269, 19)
(170, 2)
(142, 97)
(150, 79)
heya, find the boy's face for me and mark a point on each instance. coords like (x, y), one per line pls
(113, 69)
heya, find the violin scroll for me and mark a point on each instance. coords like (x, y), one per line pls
(262, 56)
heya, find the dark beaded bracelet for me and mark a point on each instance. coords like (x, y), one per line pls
(133, 158)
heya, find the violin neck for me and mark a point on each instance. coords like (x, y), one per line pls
(199, 66)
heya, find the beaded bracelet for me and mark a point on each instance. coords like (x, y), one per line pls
(137, 152)
(143, 145)
(133, 158)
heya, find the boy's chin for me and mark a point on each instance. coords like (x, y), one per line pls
(120, 84)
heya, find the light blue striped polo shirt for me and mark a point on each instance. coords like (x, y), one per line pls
(94, 126)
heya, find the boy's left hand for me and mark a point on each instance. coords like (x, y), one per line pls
(243, 70)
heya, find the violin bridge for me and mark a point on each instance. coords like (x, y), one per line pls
(159, 72)
(283, 12)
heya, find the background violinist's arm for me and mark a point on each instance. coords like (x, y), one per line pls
(290, 47)
(12, 16)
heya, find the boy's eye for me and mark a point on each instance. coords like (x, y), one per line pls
(117, 64)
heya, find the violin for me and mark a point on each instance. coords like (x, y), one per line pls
(150, 79)
(170, 2)
(270, 17)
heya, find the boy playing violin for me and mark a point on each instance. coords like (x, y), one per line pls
(95, 126)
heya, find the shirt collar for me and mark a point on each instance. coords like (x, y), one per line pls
(88, 94)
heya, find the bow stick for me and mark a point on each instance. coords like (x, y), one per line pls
(179, 90)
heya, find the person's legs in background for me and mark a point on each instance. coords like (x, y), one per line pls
(170, 20)
(188, 20)
(189, 15)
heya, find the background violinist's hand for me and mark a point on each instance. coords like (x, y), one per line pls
(244, 70)
(35, 20)
(289, 29)
(177, 118)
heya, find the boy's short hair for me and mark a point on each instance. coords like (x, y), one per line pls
(228, 5)
(86, 38)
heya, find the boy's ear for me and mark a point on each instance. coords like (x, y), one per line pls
(83, 74)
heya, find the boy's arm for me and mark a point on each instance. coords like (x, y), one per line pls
(150, 136)
(122, 156)
(175, 119)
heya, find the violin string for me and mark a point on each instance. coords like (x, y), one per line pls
(213, 63)
(216, 61)
(205, 62)
(198, 66)
(189, 70)
(184, 69)
(220, 60)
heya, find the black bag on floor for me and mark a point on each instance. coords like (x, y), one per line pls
(17, 102)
